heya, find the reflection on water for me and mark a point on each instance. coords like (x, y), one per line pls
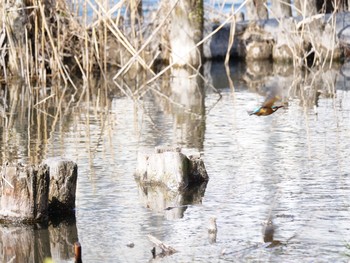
(171, 204)
(290, 167)
(34, 243)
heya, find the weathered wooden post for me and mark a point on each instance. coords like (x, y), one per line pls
(24, 193)
(280, 8)
(256, 10)
(186, 30)
(63, 180)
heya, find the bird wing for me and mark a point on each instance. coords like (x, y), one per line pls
(254, 111)
(270, 100)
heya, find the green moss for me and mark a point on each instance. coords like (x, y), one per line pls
(197, 13)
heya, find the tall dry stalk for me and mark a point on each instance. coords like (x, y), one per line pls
(229, 46)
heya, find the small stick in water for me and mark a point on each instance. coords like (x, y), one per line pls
(153, 251)
(212, 230)
(77, 252)
(166, 249)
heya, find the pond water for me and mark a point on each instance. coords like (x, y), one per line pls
(290, 168)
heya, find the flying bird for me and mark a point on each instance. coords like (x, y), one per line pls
(267, 107)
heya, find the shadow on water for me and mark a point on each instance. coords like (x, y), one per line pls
(103, 130)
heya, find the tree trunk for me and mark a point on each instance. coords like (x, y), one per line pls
(186, 30)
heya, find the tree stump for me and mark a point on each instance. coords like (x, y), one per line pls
(171, 168)
(63, 181)
(24, 193)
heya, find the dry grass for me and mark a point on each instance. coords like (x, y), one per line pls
(48, 42)
(55, 58)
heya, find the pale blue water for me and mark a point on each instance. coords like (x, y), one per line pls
(152, 5)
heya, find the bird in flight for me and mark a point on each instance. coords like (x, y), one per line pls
(267, 107)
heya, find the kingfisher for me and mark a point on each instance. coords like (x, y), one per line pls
(267, 107)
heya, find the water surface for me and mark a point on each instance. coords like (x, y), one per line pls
(290, 167)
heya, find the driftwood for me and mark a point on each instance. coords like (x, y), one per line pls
(166, 249)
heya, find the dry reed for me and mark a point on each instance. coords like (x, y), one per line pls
(60, 42)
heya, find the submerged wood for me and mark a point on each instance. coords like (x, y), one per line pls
(33, 193)
(171, 168)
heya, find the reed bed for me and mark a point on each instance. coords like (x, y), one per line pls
(47, 42)
(55, 56)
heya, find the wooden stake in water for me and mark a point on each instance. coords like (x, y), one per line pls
(77, 252)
